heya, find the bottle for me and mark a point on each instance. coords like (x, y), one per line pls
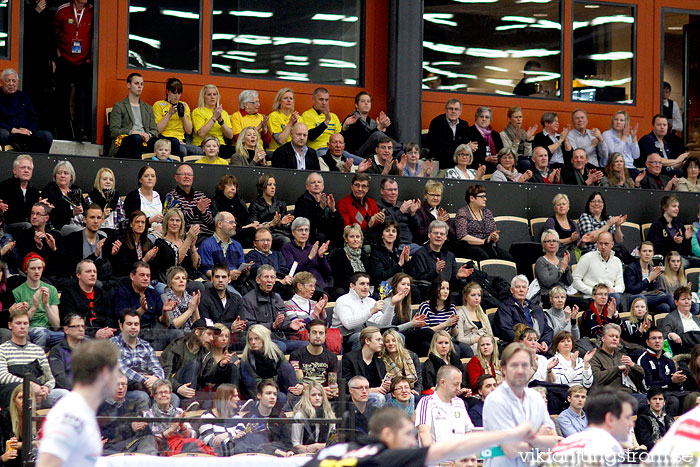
(667, 349)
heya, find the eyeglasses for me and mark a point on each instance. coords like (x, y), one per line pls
(163, 393)
(264, 240)
(361, 185)
(402, 388)
(360, 388)
(483, 195)
(302, 230)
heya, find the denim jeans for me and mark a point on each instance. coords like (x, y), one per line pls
(44, 337)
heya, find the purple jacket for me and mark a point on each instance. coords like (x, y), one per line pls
(318, 267)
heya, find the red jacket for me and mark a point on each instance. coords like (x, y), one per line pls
(68, 30)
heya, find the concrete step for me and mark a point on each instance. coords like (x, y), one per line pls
(76, 149)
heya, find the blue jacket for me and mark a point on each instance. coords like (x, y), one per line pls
(211, 253)
(511, 313)
(634, 284)
(126, 297)
(274, 259)
(658, 371)
(17, 111)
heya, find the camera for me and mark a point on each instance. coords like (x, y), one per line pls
(180, 108)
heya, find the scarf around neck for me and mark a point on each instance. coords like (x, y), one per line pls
(486, 133)
(511, 175)
(355, 257)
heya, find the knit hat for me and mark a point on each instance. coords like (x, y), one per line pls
(29, 257)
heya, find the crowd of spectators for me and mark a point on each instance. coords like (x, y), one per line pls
(248, 308)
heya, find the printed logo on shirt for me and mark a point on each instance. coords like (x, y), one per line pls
(73, 421)
(689, 429)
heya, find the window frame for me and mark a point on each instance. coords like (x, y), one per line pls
(175, 70)
(633, 67)
(362, 43)
(560, 98)
(8, 39)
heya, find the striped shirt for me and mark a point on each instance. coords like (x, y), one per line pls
(433, 318)
(13, 354)
(565, 374)
(446, 420)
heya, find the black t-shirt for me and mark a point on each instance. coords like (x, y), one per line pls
(316, 367)
(370, 455)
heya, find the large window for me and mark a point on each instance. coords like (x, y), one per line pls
(297, 41)
(603, 52)
(5, 28)
(165, 34)
(501, 47)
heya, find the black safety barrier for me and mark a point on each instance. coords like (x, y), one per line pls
(529, 200)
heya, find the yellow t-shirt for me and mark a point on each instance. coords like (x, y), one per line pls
(217, 161)
(175, 128)
(277, 122)
(312, 119)
(240, 121)
(200, 117)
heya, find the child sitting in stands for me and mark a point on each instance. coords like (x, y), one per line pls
(210, 147)
(162, 151)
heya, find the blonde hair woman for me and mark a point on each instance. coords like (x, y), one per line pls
(349, 259)
(11, 427)
(399, 361)
(107, 197)
(210, 118)
(282, 118)
(622, 138)
(312, 437)
(442, 352)
(262, 359)
(249, 150)
(463, 158)
(485, 361)
(673, 275)
(473, 322)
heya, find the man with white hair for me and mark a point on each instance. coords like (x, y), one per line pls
(17, 192)
(320, 209)
(19, 123)
(518, 309)
(590, 141)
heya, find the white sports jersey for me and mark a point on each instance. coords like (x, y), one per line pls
(592, 446)
(446, 420)
(681, 444)
(71, 432)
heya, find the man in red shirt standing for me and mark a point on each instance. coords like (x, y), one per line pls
(73, 25)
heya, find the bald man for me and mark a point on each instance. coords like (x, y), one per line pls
(296, 154)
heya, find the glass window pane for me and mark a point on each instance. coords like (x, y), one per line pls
(164, 35)
(298, 41)
(603, 52)
(5, 13)
(501, 47)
